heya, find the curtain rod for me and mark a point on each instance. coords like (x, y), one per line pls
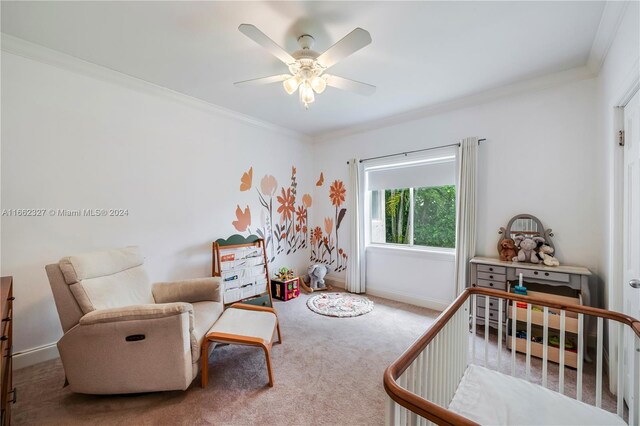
(417, 150)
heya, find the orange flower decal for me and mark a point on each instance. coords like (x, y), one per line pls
(245, 180)
(328, 225)
(268, 185)
(337, 193)
(301, 217)
(306, 200)
(287, 201)
(244, 219)
(320, 180)
(316, 234)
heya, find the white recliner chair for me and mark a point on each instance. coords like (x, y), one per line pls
(121, 333)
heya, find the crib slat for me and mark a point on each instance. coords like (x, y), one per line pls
(634, 411)
(486, 330)
(390, 412)
(528, 368)
(620, 375)
(545, 345)
(580, 357)
(403, 411)
(500, 325)
(514, 315)
(599, 364)
(563, 320)
(473, 326)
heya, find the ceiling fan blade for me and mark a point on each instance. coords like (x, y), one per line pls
(262, 80)
(259, 37)
(350, 85)
(352, 42)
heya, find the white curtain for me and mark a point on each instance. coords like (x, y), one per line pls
(356, 268)
(466, 210)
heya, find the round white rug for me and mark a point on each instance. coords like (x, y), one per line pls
(340, 304)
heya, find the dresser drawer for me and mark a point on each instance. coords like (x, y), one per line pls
(543, 275)
(493, 315)
(492, 276)
(492, 269)
(498, 285)
(493, 302)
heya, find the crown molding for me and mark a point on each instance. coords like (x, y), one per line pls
(530, 85)
(610, 21)
(33, 51)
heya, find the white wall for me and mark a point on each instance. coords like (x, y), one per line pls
(540, 157)
(619, 73)
(71, 141)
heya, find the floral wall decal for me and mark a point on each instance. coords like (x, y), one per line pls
(320, 180)
(287, 232)
(245, 181)
(244, 219)
(325, 247)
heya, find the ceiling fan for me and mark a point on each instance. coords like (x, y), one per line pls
(308, 67)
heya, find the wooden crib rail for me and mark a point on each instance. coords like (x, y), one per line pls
(439, 414)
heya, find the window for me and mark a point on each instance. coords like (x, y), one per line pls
(413, 203)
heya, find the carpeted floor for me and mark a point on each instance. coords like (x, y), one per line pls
(327, 372)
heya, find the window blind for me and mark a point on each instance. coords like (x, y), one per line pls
(412, 174)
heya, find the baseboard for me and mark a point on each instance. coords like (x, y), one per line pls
(34, 356)
(335, 281)
(409, 299)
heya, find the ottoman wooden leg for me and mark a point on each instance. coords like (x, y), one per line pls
(267, 354)
(204, 371)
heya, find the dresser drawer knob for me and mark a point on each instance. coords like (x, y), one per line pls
(491, 276)
(490, 284)
(535, 272)
(491, 269)
(3, 338)
(546, 274)
(11, 298)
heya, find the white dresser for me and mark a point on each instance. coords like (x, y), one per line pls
(494, 273)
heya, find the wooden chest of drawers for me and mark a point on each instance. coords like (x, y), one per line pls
(7, 391)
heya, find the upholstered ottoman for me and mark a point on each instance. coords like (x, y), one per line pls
(243, 324)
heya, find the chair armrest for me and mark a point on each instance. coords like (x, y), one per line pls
(190, 291)
(248, 307)
(137, 312)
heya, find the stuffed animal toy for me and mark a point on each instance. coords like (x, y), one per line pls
(508, 249)
(546, 253)
(526, 249)
(316, 276)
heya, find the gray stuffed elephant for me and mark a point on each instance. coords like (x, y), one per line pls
(316, 275)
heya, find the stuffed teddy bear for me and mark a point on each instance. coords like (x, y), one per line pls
(316, 276)
(526, 249)
(508, 249)
(546, 253)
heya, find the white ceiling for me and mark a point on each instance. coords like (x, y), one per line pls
(422, 54)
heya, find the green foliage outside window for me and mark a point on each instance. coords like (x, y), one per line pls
(434, 216)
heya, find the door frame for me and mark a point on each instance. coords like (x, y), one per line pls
(630, 86)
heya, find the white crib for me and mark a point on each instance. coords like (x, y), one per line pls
(444, 378)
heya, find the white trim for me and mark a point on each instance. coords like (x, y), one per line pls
(34, 356)
(533, 84)
(432, 253)
(612, 16)
(411, 299)
(26, 49)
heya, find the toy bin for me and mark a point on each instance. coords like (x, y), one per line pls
(285, 290)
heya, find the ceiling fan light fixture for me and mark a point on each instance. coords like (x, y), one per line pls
(318, 84)
(291, 85)
(306, 94)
